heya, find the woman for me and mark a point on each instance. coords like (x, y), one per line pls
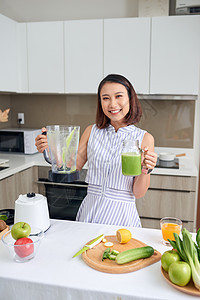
(111, 196)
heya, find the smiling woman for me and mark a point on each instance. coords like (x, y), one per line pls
(111, 195)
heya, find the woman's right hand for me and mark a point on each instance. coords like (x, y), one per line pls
(41, 141)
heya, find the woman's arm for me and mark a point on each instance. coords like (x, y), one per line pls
(82, 148)
(149, 158)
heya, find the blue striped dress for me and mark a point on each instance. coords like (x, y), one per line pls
(110, 198)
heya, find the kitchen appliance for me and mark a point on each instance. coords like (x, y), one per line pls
(64, 199)
(62, 152)
(33, 209)
(18, 140)
(187, 7)
(172, 164)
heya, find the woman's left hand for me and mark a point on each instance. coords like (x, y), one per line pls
(149, 159)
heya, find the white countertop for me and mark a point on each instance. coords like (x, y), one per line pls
(20, 162)
(54, 274)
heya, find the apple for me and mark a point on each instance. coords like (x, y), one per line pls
(180, 273)
(168, 258)
(24, 247)
(20, 230)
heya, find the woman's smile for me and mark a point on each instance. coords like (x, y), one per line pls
(115, 111)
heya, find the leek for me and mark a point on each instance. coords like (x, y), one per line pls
(188, 251)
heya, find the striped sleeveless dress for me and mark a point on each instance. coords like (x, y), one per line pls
(110, 198)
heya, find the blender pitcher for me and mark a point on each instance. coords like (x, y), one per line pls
(62, 152)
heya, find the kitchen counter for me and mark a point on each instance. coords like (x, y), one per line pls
(20, 162)
(54, 274)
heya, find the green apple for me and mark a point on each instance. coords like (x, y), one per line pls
(20, 230)
(168, 258)
(180, 273)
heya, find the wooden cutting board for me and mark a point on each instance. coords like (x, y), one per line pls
(5, 230)
(93, 257)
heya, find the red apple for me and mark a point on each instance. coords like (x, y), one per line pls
(24, 247)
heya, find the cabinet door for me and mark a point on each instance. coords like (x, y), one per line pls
(20, 183)
(175, 55)
(127, 50)
(83, 55)
(22, 67)
(8, 55)
(46, 57)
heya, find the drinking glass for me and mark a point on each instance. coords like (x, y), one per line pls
(169, 225)
(131, 158)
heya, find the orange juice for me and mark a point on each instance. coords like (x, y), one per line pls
(168, 229)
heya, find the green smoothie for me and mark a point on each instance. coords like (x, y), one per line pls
(131, 164)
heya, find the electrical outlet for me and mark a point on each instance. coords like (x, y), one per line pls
(21, 118)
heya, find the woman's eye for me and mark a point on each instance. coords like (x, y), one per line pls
(119, 96)
(105, 98)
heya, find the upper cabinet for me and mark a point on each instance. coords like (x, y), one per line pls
(175, 55)
(8, 55)
(22, 65)
(127, 50)
(159, 55)
(83, 55)
(45, 57)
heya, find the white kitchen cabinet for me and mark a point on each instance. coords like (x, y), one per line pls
(127, 50)
(175, 55)
(45, 57)
(8, 55)
(83, 55)
(22, 55)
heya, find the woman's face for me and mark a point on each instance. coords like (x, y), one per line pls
(115, 102)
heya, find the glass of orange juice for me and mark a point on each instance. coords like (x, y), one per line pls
(169, 225)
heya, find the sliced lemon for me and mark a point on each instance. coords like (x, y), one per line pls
(123, 236)
(108, 244)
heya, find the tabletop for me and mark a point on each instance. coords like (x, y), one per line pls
(54, 274)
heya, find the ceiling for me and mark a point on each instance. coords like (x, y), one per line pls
(60, 10)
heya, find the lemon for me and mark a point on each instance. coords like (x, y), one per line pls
(123, 236)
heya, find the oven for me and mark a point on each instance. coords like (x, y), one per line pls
(64, 199)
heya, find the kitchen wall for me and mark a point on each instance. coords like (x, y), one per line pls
(171, 122)
(41, 110)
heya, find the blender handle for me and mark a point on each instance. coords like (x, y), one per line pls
(45, 152)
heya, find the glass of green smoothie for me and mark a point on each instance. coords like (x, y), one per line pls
(131, 158)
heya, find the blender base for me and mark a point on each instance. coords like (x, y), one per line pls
(63, 177)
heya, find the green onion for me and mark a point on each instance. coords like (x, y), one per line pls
(106, 254)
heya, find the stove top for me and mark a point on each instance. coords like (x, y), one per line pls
(174, 164)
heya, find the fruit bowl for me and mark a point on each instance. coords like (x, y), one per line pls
(23, 252)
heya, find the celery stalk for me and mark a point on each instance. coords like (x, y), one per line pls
(192, 256)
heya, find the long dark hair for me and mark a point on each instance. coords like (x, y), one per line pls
(135, 110)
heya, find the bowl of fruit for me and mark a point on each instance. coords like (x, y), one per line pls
(22, 241)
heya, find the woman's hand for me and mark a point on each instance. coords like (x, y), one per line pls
(149, 159)
(4, 115)
(41, 141)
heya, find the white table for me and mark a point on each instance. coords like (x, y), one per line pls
(53, 274)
